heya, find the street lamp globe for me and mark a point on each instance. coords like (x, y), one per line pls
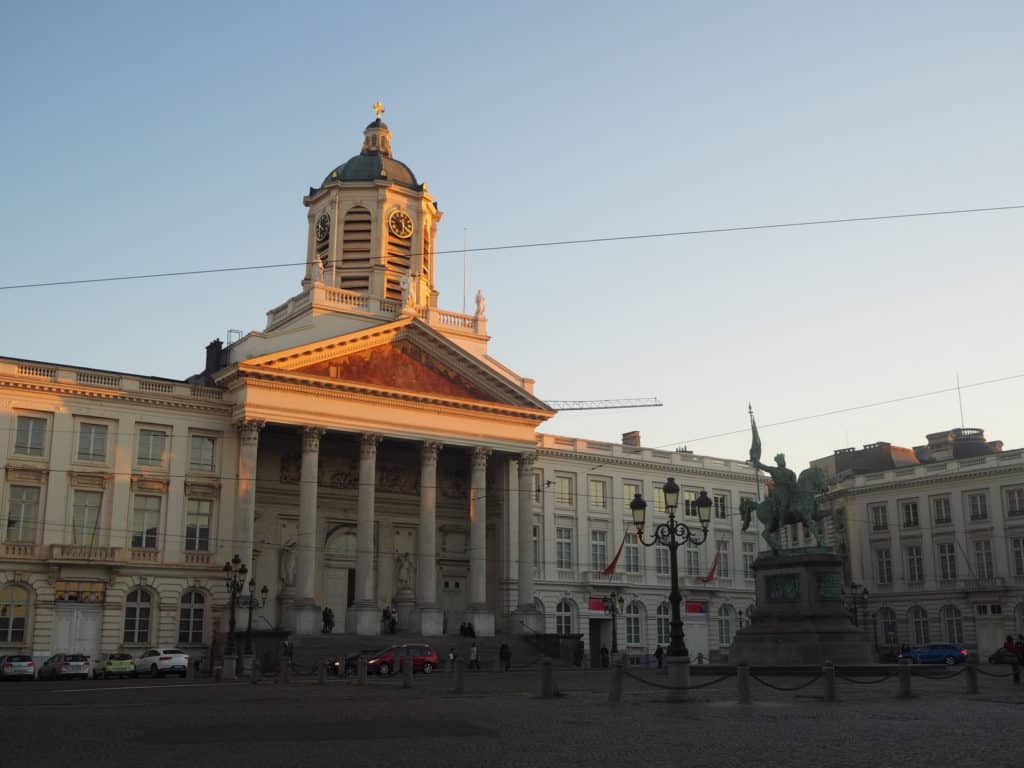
(639, 509)
(703, 504)
(671, 491)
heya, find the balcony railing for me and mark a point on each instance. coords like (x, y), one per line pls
(991, 582)
(82, 552)
(20, 551)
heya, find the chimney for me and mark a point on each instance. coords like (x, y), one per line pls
(213, 350)
(631, 439)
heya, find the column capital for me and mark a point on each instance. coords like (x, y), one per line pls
(527, 461)
(311, 439)
(480, 457)
(429, 451)
(249, 430)
(368, 446)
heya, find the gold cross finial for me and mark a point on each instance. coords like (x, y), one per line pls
(378, 108)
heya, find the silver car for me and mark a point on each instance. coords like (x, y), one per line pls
(17, 666)
(63, 665)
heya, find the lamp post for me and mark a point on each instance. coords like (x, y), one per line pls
(613, 605)
(235, 572)
(252, 601)
(672, 534)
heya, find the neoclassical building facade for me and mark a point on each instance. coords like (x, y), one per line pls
(363, 450)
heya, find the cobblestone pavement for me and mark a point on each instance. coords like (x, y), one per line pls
(501, 721)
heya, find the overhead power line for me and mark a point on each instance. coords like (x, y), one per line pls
(545, 244)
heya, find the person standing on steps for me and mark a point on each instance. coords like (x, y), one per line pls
(505, 654)
(474, 657)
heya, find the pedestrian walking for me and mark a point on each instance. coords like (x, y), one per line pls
(659, 655)
(505, 654)
(325, 620)
(474, 657)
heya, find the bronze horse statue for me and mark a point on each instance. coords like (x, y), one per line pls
(802, 507)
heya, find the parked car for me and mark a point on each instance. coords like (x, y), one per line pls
(424, 659)
(1003, 656)
(63, 665)
(17, 666)
(159, 661)
(114, 665)
(937, 653)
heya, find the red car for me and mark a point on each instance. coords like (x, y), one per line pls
(424, 659)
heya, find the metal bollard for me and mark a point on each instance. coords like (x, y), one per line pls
(828, 675)
(230, 671)
(254, 672)
(218, 673)
(905, 674)
(743, 682)
(406, 672)
(972, 676)
(284, 674)
(460, 676)
(1016, 674)
(615, 690)
(678, 677)
(547, 680)
(361, 668)
(321, 672)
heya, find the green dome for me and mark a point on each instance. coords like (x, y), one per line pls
(374, 162)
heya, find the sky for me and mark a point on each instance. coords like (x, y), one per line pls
(140, 138)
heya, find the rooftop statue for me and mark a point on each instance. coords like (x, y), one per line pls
(790, 499)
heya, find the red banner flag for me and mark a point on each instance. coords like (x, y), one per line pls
(714, 567)
(610, 570)
(595, 603)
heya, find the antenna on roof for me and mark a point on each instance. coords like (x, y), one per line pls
(960, 399)
(233, 335)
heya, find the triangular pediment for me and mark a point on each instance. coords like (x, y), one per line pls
(405, 357)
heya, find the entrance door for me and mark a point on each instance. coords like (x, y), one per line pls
(338, 580)
(599, 630)
(453, 600)
(76, 629)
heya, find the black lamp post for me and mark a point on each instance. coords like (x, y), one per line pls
(235, 572)
(672, 534)
(254, 602)
(613, 604)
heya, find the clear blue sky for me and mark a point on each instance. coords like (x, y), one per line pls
(141, 138)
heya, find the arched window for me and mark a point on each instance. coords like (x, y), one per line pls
(634, 623)
(13, 614)
(952, 624)
(190, 619)
(663, 616)
(918, 619)
(563, 618)
(725, 622)
(137, 611)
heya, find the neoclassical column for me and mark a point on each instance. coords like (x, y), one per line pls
(307, 612)
(245, 498)
(478, 530)
(430, 616)
(526, 564)
(366, 620)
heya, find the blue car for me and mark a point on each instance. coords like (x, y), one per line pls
(937, 653)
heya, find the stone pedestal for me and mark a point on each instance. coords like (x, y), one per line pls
(799, 616)
(482, 619)
(405, 604)
(430, 621)
(363, 619)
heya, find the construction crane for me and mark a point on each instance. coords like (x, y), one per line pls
(599, 405)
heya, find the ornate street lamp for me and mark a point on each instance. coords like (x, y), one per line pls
(235, 572)
(672, 534)
(257, 603)
(613, 605)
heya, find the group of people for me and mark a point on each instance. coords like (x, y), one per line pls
(466, 629)
(1016, 647)
(327, 616)
(504, 655)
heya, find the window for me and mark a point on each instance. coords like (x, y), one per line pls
(1017, 556)
(884, 563)
(952, 624)
(79, 591)
(664, 621)
(632, 554)
(30, 436)
(190, 618)
(748, 559)
(197, 525)
(919, 625)
(879, 515)
(909, 509)
(563, 490)
(947, 561)
(151, 448)
(538, 487)
(983, 559)
(633, 624)
(563, 548)
(657, 501)
(721, 506)
(537, 558)
(1015, 501)
(977, 506)
(725, 626)
(629, 492)
(723, 559)
(940, 509)
(137, 610)
(915, 565)
(692, 560)
(145, 521)
(13, 614)
(22, 513)
(85, 517)
(92, 442)
(563, 618)
(598, 494)
(661, 565)
(201, 451)
(689, 503)
(598, 550)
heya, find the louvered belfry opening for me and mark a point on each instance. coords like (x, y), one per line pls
(399, 264)
(354, 269)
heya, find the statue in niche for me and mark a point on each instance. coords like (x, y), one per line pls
(404, 571)
(287, 566)
(318, 271)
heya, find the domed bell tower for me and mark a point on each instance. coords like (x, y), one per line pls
(372, 228)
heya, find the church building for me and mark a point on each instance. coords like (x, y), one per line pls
(363, 451)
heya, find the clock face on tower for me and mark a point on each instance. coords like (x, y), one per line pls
(323, 227)
(400, 224)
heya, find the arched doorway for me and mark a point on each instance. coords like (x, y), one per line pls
(340, 573)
